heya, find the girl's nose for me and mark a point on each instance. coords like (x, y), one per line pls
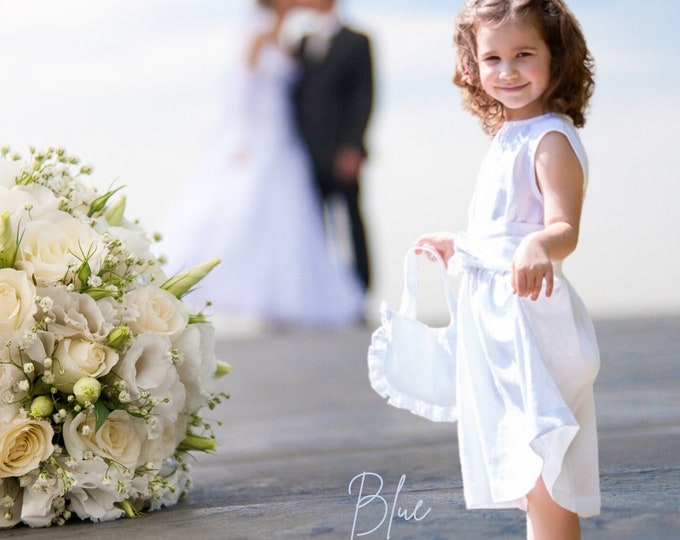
(507, 70)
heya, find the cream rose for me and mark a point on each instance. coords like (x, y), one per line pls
(17, 301)
(120, 438)
(54, 247)
(24, 444)
(76, 358)
(157, 311)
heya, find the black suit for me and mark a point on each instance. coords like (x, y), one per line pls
(333, 100)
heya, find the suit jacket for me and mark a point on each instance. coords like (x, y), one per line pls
(333, 97)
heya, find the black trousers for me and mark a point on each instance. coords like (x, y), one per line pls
(349, 194)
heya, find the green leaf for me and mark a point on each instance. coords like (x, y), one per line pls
(101, 413)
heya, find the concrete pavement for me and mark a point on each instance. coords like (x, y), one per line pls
(303, 422)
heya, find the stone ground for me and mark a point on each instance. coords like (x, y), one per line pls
(303, 421)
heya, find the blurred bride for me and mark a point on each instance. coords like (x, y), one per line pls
(252, 203)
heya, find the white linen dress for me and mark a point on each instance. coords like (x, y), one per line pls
(252, 202)
(525, 369)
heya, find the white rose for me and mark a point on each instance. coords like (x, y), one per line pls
(178, 483)
(17, 302)
(132, 236)
(32, 201)
(157, 450)
(54, 247)
(76, 358)
(38, 507)
(120, 437)
(10, 393)
(41, 348)
(94, 498)
(24, 444)
(10, 491)
(147, 367)
(9, 171)
(135, 241)
(8, 408)
(157, 311)
(75, 313)
(197, 364)
(27, 202)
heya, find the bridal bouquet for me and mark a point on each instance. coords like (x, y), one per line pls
(104, 372)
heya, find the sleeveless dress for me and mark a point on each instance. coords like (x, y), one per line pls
(252, 203)
(525, 369)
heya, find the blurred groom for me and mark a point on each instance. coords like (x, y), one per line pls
(333, 101)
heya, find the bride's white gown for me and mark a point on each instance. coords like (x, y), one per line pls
(252, 203)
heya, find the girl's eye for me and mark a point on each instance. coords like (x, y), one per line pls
(523, 54)
(491, 59)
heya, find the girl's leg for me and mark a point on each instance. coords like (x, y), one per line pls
(547, 520)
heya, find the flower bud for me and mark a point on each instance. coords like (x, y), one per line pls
(180, 284)
(41, 407)
(8, 241)
(195, 442)
(118, 336)
(129, 509)
(84, 273)
(222, 369)
(98, 205)
(87, 389)
(114, 215)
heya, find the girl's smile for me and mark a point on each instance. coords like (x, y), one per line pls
(514, 67)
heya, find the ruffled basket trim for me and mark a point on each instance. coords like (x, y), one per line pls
(380, 382)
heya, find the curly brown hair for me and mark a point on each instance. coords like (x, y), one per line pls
(571, 66)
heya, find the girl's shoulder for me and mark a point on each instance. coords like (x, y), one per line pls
(554, 122)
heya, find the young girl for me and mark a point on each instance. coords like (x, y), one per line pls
(527, 355)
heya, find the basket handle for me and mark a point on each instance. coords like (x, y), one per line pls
(411, 279)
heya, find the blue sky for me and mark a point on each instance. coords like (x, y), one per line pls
(134, 85)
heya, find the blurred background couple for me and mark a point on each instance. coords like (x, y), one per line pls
(283, 163)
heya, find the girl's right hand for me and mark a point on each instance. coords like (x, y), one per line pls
(441, 242)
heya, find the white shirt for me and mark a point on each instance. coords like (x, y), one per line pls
(319, 27)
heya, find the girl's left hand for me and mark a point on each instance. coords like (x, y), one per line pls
(531, 265)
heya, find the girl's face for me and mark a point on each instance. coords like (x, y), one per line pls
(514, 67)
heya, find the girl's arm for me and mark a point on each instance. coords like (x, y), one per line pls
(560, 178)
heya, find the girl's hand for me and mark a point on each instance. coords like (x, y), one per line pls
(441, 242)
(531, 265)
